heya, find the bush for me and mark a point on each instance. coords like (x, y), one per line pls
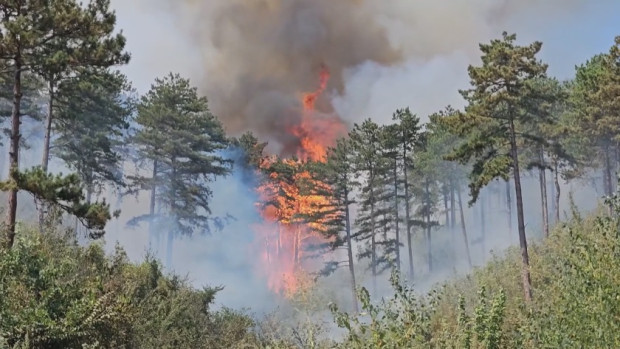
(55, 294)
(576, 302)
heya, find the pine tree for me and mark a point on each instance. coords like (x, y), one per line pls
(595, 98)
(180, 139)
(572, 154)
(493, 122)
(547, 151)
(93, 111)
(408, 137)
(339, 175)
(391, 152)
(425, 191)
(253, 150)
(370, 164)
(452, 174)
(31, 32)
(87, 41)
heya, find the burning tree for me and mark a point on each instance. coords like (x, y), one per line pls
(294, 202)
(296, 207)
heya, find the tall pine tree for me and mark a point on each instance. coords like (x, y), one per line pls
(180, 139)
(370, 164)
(30, 33)
(408, 137)
(494, 120)
(93, 110)
(339, 174)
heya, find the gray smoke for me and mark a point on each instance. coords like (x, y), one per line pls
(259, 55)
(262, 55)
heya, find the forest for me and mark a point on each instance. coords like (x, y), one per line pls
(374, 205)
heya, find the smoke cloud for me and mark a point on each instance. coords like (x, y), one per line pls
(259, 56)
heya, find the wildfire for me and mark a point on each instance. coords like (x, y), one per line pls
(309, 99)
(316, 131)
(291, 200)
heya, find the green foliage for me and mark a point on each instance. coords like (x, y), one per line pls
(54, 294)
(595, 111)
(57, 297)
(575, 269)
(403, 321)
(50, 39)
(500, 102)
(93, 111)
(65, 192)
(369, 162)
(179, 139)
(252, 149)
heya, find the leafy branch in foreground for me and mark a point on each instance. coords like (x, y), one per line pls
(66, 192)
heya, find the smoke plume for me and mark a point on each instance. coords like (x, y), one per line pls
(260, 55)
(264, 54)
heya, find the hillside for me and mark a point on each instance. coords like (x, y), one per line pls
(56, 294)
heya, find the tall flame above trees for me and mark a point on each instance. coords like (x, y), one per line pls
(294, 203)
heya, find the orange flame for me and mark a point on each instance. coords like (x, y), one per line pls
(287, 201)
(316, 132)
(309, 99)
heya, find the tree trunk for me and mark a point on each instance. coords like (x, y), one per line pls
(46, 147)
(428, 228)
(279, 230)
(152, 231)
(350, 251)
(452, 206)
(173, 214)
(48, 129)
(556, 181)
(543, 196)
(552, 220)
(452, 225)
(373, 242)
(77, 227)
(608, 184)
(509, 208)
(463, 228)
(2, 164)
(89, 194)
(483, 228)
(397, 216)
(14, 152)
(525, 258)
(296, 241)
(407, 213)
(445, 206)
